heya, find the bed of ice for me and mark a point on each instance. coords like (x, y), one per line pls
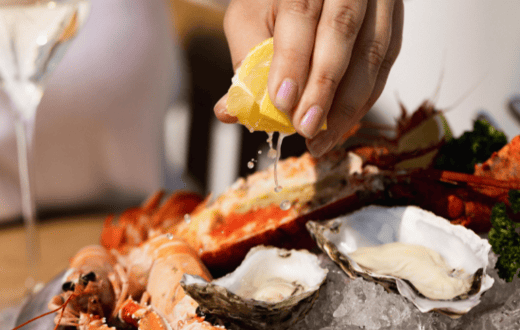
(348, 304)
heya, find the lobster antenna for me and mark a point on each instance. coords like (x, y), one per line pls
(436, 94)
(465, 95)
(63, 310)
(62, 307)
(397, 97)
(401, 105)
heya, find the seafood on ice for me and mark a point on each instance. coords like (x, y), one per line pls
(436, 265)
(134, 277)
(222, 230)
(104, 290)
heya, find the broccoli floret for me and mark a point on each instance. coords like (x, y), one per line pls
(514, 199)
(504, 239)
(461, 155)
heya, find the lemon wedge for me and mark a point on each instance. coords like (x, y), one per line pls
(248, 99)
(428, 133)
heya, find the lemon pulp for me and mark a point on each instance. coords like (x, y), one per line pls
(248, 98)
(249, 101)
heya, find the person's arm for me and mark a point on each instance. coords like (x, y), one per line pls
(331, 58)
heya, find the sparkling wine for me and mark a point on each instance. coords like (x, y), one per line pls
(33, 38)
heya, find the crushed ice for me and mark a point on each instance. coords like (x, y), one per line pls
(348, 304)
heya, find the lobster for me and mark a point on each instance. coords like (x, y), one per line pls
(138, 268)
(249, 213)
(137, 284)
(105, 290)
(90, 288)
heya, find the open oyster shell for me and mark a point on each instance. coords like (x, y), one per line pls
(272, 289)
(460, 248)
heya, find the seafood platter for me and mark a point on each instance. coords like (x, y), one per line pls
(255, 258)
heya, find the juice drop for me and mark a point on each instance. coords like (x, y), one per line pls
(285, 205)
(250, 164)
(187, 218)
(270, 139)
(271, 153)
(259, 152)
(169, 236)
(278, 154)
(275, 154)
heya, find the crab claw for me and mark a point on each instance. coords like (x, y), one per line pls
(141, 317)
(176, 206)
(112, 237)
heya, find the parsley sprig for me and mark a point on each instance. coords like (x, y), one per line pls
(504, 239)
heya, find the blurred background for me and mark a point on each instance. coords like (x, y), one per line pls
(129, 110)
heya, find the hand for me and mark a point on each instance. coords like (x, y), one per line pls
(331, 58)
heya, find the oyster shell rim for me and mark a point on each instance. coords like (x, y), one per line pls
(283, 313)
(393, 284)
(206, 287)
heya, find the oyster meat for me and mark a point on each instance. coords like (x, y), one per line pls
(272, 289)
(436, 265)
(423, 267)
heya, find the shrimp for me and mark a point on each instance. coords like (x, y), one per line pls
(101, 286)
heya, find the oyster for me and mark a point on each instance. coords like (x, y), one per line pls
(457, 254)
(272, 289)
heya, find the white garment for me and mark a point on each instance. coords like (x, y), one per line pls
(99, 127)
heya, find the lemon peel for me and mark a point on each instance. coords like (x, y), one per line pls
(248, 98)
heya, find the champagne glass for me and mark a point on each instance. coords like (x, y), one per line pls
(34, 35)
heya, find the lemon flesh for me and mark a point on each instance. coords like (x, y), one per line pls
(248, 99)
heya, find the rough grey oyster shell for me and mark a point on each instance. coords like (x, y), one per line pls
(272, 289)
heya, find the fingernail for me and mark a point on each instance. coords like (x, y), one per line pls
(311, 121)
(221, 105)
(286, 95)
(322, 143)
(221, 111)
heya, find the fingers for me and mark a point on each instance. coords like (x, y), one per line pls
(391, 55)
(245, 25)
(375, 50)
(331, 58)
(294, 34)
(337, 32)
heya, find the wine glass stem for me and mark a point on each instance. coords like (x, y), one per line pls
(24, 130)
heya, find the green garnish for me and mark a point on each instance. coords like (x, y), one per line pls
(461, 154)
(504, 239)
(514, 199)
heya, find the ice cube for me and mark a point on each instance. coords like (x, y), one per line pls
(355, 304)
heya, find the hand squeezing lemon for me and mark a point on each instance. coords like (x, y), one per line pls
(248, 99)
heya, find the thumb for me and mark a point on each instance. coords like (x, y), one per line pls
(245, 26)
